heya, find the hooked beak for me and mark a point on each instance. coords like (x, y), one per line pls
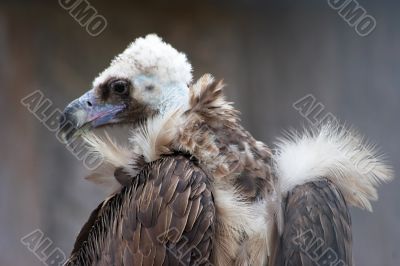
(87, 112)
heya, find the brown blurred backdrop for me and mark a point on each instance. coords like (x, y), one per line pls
(270, 53)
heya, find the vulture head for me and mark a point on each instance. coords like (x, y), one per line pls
(150, 77)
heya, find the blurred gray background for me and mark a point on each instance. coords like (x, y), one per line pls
(270, 53)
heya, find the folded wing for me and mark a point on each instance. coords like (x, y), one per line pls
(317, 227)
(165, 216)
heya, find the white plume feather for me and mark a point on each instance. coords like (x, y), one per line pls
(337, 154)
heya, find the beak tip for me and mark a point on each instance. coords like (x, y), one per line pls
(85, 113)
(67, 125)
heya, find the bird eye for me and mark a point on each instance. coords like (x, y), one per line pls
(119, 87)
(150, 87)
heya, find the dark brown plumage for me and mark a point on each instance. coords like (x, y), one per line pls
(164, 217)
(317, 227)
(229, 200)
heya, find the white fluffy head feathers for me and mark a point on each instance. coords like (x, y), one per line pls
(153, 57)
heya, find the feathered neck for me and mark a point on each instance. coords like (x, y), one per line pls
(209, 129)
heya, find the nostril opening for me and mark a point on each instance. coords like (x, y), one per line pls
(89, 103)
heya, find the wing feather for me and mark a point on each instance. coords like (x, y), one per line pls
(164, 217)
(317, 227)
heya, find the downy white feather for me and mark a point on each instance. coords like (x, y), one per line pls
(337, 154)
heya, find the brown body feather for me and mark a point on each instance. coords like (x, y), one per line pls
(317, 227)
(229, 200)
(229, 205)
(240, 167)
(211, 131)
(164, 217)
